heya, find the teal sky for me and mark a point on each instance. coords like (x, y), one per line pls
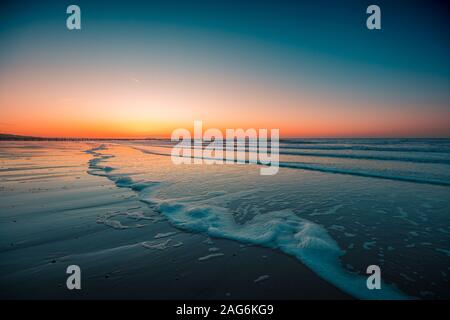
(315, 47)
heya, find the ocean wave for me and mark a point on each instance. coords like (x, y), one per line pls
(369, 157)
(363, 173)
(335, 170)
(281, 230)
(412, 155)
(379, 145)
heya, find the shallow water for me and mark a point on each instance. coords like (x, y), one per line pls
(337, 206)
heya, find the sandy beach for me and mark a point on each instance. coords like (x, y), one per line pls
(140, 229)
(52, 216)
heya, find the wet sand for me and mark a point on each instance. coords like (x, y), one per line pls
(54, 214)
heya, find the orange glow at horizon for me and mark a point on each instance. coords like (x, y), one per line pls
(115, 104)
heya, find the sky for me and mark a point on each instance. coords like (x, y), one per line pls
(145, 68)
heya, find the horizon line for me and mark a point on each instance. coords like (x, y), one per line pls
(9, 136)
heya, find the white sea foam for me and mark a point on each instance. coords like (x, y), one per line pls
(282, 230)
(261, 278)
(114, 224)
(210, 256)
(161, 245)
(164, 235)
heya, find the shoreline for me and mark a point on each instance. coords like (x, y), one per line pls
(115, 264)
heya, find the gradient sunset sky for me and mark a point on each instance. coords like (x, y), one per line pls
(145, 68)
